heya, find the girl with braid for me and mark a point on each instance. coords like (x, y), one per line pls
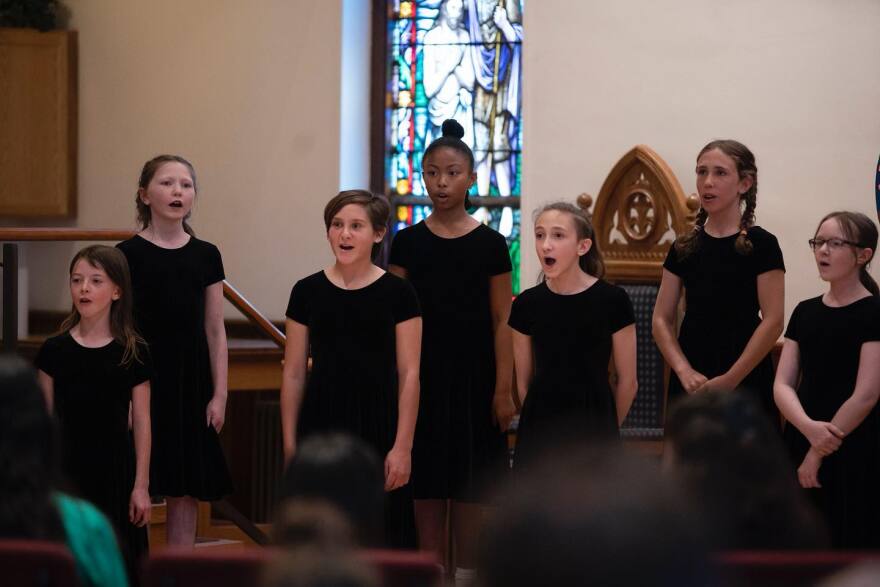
(733, 278)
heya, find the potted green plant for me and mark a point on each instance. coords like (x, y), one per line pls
(35, 14)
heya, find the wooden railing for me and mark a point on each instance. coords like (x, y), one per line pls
(10, 236)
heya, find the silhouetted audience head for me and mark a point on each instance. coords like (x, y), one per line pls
(312, 522)
(732, 463)
(593, 516)
(313, 567)
(346, 473)
(28, 456)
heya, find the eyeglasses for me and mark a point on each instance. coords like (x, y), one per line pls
(833, 243)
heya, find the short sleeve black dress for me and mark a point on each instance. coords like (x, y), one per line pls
(458, 448)
(169, 308)
(92, 390)
(353, 384)
(569, 398)
(830, 340)
(722, 309)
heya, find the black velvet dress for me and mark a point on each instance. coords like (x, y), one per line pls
(458, 449)
(569, 399)
(92, 391)
(169, 308)
(353, 383)
(830, 342)
(722, 309)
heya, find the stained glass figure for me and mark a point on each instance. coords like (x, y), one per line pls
(456, 59)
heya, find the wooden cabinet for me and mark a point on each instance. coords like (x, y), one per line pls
(38, 122)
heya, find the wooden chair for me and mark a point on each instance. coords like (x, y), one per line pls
(637, 215)
(32, 563)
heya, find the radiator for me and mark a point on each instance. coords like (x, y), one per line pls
(267, 459)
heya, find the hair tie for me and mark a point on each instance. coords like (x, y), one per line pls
(744, 232)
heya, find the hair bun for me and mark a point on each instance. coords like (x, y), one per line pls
(451, 128)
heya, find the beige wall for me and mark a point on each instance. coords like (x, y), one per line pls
(796, 80)
(248, 91)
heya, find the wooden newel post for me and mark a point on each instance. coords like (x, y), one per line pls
(10, 297)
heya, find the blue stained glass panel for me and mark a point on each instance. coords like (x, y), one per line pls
(456, 59)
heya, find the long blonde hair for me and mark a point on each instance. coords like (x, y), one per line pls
(112, 261)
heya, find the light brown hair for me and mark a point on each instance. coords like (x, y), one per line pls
(591, 262)
(144, 214)
(860, 229)
(745, 167)
(113, 262)
(377, 207)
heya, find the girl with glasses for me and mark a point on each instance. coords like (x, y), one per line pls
(828, 383)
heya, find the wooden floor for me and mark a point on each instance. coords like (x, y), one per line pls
(210, 533)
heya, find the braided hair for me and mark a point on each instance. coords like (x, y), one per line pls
(745, 167)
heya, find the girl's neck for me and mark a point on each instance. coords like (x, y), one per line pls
(844, 291)
(166, 234)
(353, 275)
(451, 223)
(572, 281)
(724, 222)
(93, 332)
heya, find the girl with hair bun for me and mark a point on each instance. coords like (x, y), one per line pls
(461, 271)
(733, 277)
(828, 383)
(565, 330)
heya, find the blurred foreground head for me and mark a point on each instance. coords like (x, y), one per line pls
(597, 516)
(342, 471)
(310, 567)
(28, 455)
(732, 464)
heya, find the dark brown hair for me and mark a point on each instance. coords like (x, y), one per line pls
(144, 214)
(377, 207)
(734, 468)
(591, 262)
(745, 167)
(114, 264)
(860, 229)
(29, 456)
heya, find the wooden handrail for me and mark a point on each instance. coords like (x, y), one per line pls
(62, 234)
(252, 314)
(77, 234)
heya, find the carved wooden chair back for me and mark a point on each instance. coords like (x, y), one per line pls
(637, 215)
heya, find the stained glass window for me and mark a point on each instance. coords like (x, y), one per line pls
(458, 59)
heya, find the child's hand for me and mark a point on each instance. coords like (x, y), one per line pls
(720, 383)
(398, 464)
(139, 507)
(824, 437)
(808, 472)
(216, 412)
(691, 380)
(503, 409)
